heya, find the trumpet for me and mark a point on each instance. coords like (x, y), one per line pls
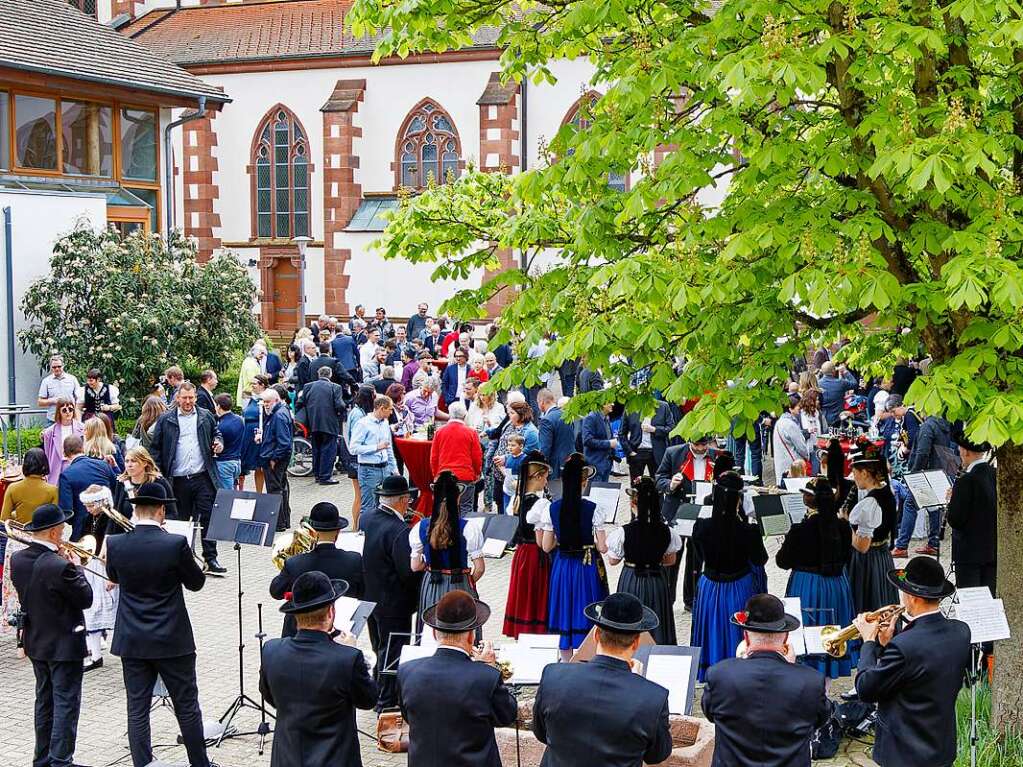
(118, 518)
(835, 638)
(291, 543)
(85, 549)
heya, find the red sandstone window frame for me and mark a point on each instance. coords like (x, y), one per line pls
(429, 111)
(573, 115)
(267, 121)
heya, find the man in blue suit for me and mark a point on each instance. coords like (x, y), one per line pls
(557, 438)
(346, 353)
(599, 443)
(81, 472)
(315, 714)
(604, 712)
(451, 703)
(452, 380)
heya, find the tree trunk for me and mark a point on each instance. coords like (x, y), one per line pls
(1007, 710)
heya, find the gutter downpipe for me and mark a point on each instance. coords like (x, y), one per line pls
(12, 380)
(169, 166)
(523, 145)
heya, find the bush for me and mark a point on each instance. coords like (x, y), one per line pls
(993, 748)
(133, 306)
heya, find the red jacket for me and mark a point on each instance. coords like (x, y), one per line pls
(456, 448)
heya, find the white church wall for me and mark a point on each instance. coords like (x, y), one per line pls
(547, 105)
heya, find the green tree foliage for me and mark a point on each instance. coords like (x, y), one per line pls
(133, 306)
(868, 162)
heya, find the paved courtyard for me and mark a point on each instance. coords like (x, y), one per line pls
(102, 730)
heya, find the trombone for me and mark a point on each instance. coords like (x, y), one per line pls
(127, 525)
(85, 549)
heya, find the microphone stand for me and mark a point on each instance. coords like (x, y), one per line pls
(264, 726)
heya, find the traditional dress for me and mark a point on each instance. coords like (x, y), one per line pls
(817, 550)
(577, 577)
(642, 546)
(873, 516)
(526, 610)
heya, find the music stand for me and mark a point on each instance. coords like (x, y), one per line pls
(249, 518)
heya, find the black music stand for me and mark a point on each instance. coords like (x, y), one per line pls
(249, 518)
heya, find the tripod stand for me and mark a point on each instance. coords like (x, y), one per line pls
(976, 653)
(243, 700)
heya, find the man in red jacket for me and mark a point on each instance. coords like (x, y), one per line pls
(456, 448)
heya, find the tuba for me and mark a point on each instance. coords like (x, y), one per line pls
(291, 543)
(835, 639)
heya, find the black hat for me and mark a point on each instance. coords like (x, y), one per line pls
(765, 614)
(922, 577)
(312, 590)
(575, 467)
(724, 461)
(622, 612)
(393, 485)
(445, 482)
(457, 611)
(324, 517)
(866, 453)
(151, 494)
(536, 458)
(960, 438)
(46, 516)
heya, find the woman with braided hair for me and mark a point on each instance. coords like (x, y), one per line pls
(730, 547)
(526, 609)
(817, 550)
(873, 521)
(572, 528)
(448, 549)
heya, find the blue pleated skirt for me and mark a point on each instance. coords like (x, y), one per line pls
(819, 594)
(574, 585)
(713, 630)
(759, 578)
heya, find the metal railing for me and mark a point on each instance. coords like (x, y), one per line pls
(10, 421)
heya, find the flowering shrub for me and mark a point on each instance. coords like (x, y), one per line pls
(133, 306)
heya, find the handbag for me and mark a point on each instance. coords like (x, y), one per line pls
(392, 732)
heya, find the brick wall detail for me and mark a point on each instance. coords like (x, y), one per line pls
(199, 181)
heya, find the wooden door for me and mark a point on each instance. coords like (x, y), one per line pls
(285, 298)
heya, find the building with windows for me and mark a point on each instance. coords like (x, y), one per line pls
(83, 111)
(318, 141)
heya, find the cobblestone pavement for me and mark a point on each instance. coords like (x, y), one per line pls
(214, 612)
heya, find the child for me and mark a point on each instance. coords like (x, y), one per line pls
(512, 461)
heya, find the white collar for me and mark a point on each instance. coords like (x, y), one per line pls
(977, 463)
(456, 649)
(396, 513)
(146, 522)
(47, 544)
(911, 618)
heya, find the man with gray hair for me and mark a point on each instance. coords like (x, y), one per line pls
(456, 448)
(275, 452)
(324, 405)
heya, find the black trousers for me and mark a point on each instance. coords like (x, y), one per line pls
(195, 496)
(642, 459)
(277, 483)
(383, 630)
(58, 704)
(324, 454)
(178, 675)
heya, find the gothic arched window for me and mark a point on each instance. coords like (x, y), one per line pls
(427, 147)
(280, 173)
(580, 117)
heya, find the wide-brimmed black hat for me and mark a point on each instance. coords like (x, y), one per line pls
(622, 612)
(865, 453)
(576, 465)
(457, 611)
(393, 485)
(312, 590)
(324, 517)
(765, 614)
(536, 458)
(46, 516)
(960, 438)
(922, 577)
(444, 481)
(152, 494)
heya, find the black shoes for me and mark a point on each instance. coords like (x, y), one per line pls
(93, 666)
(215, 567)
(328, 482)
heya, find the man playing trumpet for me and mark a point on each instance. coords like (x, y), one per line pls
(915, 675)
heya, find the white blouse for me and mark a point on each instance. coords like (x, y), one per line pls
(544, 520)
(537, 511)
(866, 517)
(616, 542)
(473, 539)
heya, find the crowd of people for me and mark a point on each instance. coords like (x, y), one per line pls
(360, 387)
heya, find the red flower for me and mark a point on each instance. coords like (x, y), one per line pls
(287, 596)
(740, 617)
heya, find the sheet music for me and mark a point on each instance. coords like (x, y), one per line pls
(796, 483)
(671, 672)
(986, 620)
(494, 548)
(527, 663)
(350, 614)
(706, 512)
(775, 524)
(919, 485)
(939, 484)
(797, 638)
(243, 508)
(814, 641)
(793, 506)
(684, 527)
(606, 499)
(540, 641)
(974, 595)
(414, 651)
(350, 542)
(701, 490)
(182, 527)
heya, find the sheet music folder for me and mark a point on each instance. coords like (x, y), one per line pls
(674, 668)
(250, 524)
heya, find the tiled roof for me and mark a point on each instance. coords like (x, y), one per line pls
(51, 37)
(497, 94)
(262, 31)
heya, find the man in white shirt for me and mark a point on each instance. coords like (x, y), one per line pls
(56, 385)
(369, 349)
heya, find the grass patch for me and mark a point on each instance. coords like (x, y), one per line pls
(993, 748)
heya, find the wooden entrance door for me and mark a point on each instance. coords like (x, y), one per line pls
(285, 297)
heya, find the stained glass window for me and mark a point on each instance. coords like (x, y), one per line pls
(581, 118)
(430, 149)
(282, 177)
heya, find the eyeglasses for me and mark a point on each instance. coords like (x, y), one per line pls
(67, 409)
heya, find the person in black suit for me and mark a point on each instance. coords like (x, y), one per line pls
(587, 380)
(53, 593)
(315, 717)
(323, 404)
(915, 675)
(604, 712)
(452, 704)
(778, 733)
(325, 522)
(557, 437)
(185, 439)
(390, 582)
(637, 438)
(665, 419)
(973, 515)
(204, 394)
(153, 635)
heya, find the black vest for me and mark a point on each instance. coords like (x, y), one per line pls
(94, 399)
(885, 499)
(645, 545)
(526, 533)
